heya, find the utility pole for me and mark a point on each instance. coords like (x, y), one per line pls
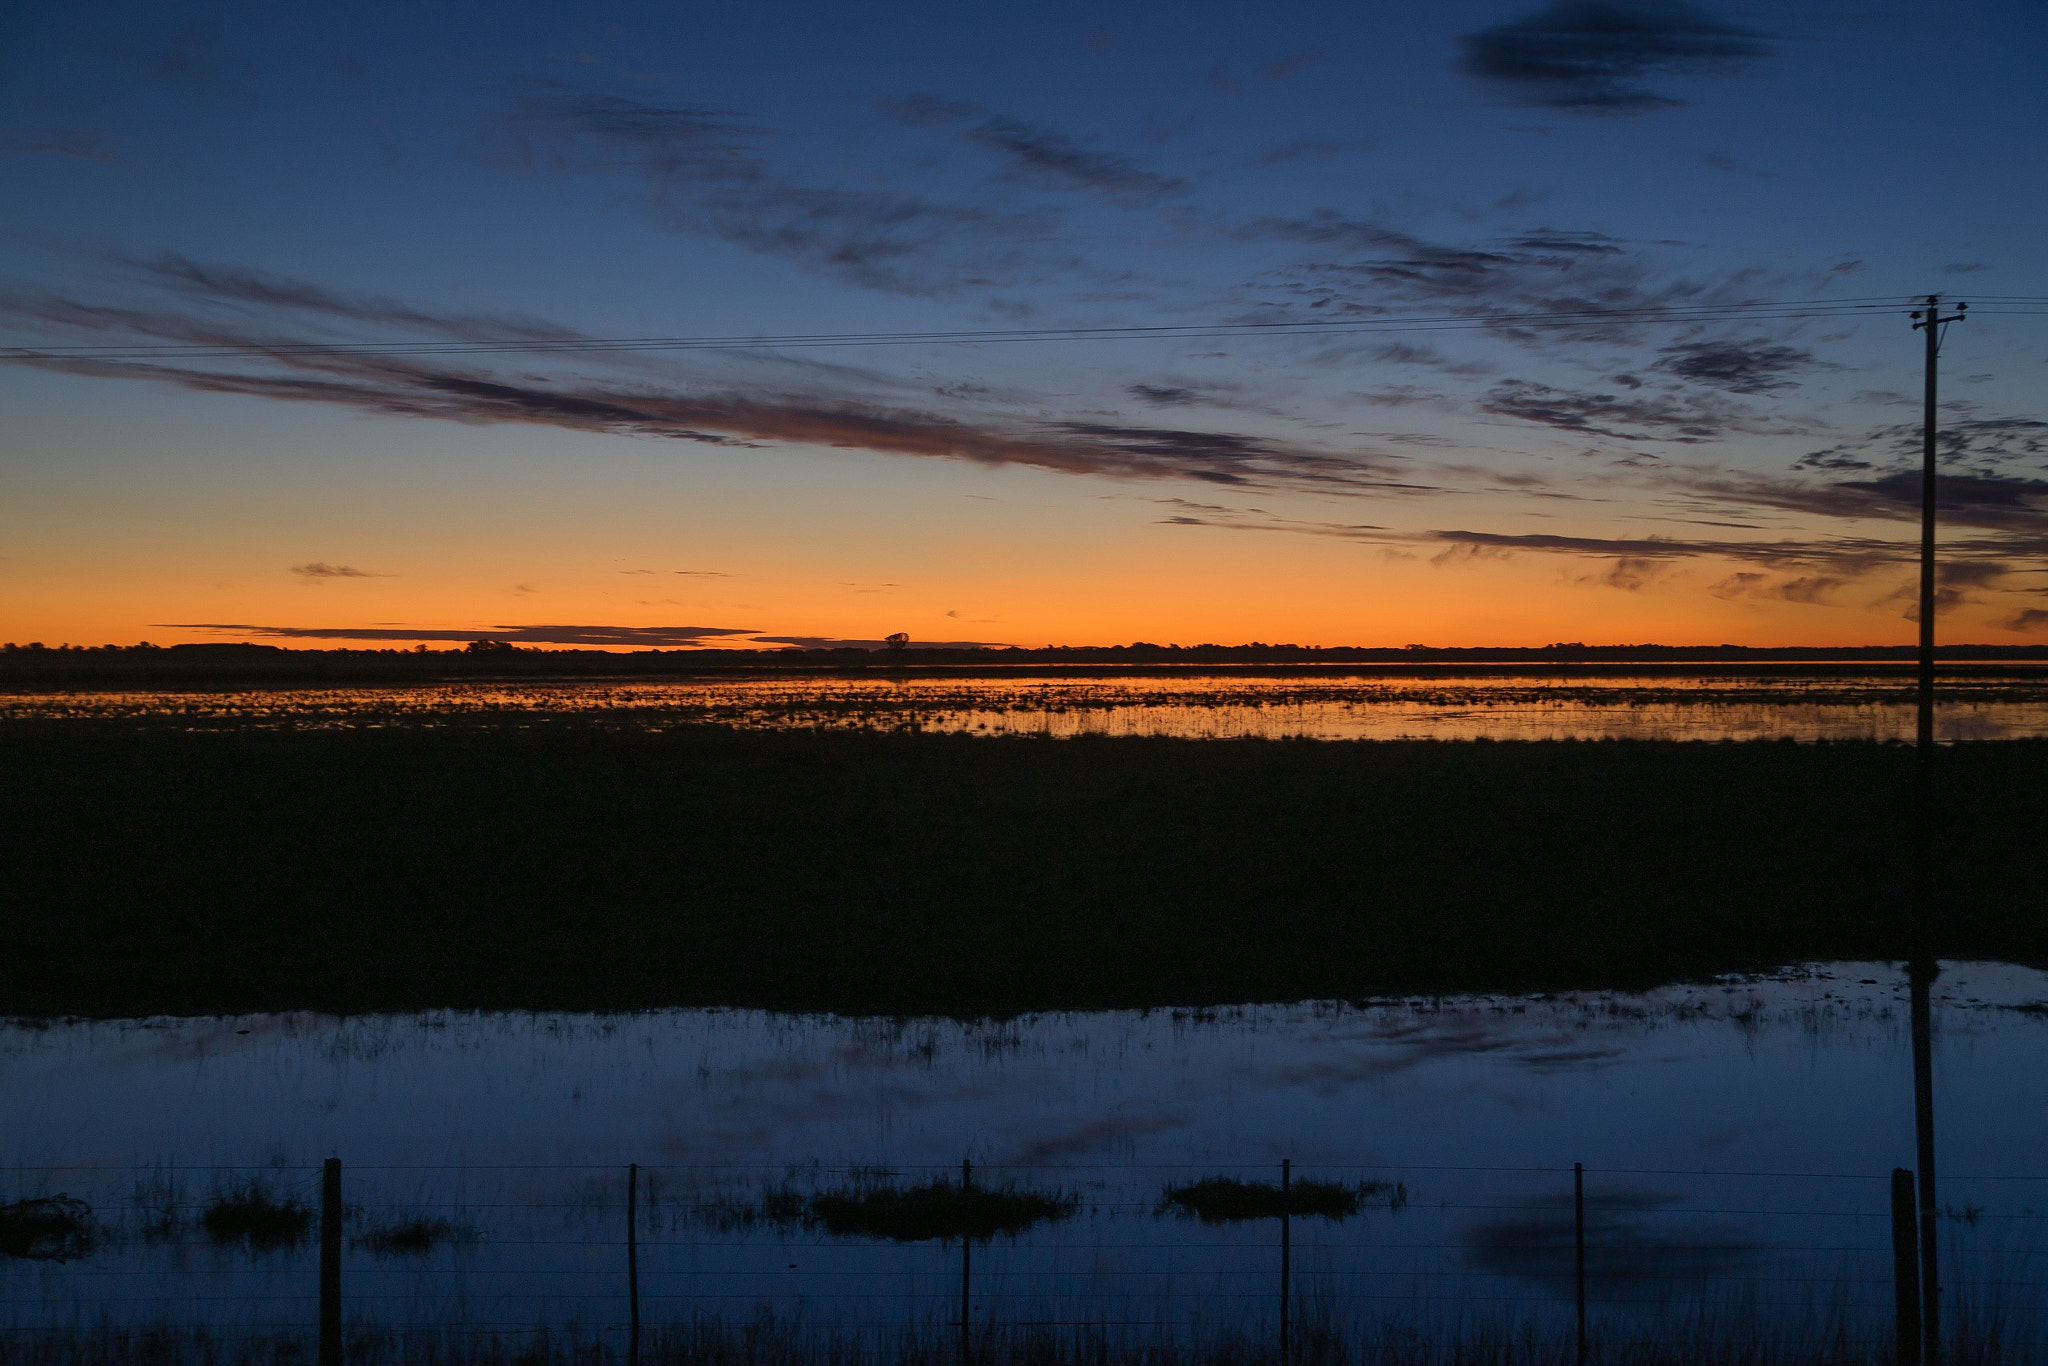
(1922, 966)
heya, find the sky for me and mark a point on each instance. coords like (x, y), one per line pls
(296, 294)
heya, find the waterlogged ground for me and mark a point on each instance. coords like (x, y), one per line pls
(1737, 1139)
(1987, 703)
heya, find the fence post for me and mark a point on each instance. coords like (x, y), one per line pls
(1579, 1249)
(1286, 1257)
(1906, 1266)
(330, 1262)
(633, 1263)
(966, 1268)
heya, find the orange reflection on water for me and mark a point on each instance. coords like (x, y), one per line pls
(1823, 705)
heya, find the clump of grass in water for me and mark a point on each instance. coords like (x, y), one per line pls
(51, 1228)
(255, 1217)
(413, 1237)
(939, 1209)
(159, 1206)
(779, 1207)
(1227, 1200)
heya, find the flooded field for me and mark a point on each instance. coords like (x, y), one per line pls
(1737, 1138)
(1992, 703)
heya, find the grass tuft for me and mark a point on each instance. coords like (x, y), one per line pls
(54, 1228)
(939, 1209)
(252, 1216)
(413, 1237)
(1227, 1200)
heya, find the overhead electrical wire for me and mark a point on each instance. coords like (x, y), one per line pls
(1755, 311)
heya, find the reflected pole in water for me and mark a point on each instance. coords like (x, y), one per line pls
(1923, 972)
(1286, 1258)
(1923, 967)
(1579, 1251)
(966, 1269)
(633, 1264)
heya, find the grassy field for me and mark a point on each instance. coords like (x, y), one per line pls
(151, 869)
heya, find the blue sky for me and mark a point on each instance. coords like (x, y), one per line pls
(382, 176)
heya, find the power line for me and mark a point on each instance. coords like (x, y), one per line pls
(1755, 311)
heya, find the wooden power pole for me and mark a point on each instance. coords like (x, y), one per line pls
(1922, 966)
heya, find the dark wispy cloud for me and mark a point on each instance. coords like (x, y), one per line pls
(1754, 366)
(708, 169)
(671, 139)
(1364, 267)
(1956, 582)
(1036, 148)
(1177, 392)
(644, 637)
(1721, 161)
(400, 385)
(1680, 418)
(1601, 56)
(1790, 568)
(2029, 619)
(218, 283)
(1990, 444)
(1802, 588)
(1312, 149)
(77, 146)
(320, 569)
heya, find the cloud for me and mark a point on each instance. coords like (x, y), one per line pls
(1954, 580)
(2029, 619)
(1317, 150)
(1987, 442)
(320, 569)
(399, 385)
(672, 140)
(77, 146)
(1756, 366)
(1193, 393)
(1037, 148)
(2011, 504)
(1367, 268)
(645, 637)
(1721, 161)
(1812, 589)
(218, 283)
(1685, 420)
(1796, 570)
(706, 169)
(1632, 573)
(1597, 56)
(1165, 395)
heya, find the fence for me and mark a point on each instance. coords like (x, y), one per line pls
(1285, 1258)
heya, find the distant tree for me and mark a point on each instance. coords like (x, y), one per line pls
(899, 640)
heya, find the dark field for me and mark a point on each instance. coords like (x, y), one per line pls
(150, 869)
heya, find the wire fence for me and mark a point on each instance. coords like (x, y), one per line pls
(1174, 1252)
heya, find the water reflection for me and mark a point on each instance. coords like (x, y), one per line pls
(1738, 1138)
(1825, 704)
